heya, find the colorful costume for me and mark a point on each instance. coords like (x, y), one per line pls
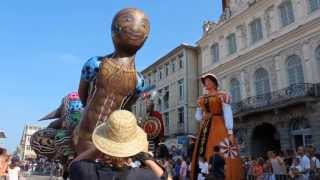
(214, 131)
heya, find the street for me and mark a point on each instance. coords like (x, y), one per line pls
(41, 178)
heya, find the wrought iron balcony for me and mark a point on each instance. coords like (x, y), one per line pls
(293, 94)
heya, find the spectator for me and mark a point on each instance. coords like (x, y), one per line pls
(304, 162)
(217, 163)
(177, 167)
(315, 163)
(267, 171)
(14, 171)
(183, 170)
(295, 170)
(258, 169)
(4, 160)
(288, 158)
(203, 168)
(278, 165)
(111, 157)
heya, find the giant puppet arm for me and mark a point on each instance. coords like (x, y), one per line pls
(83, 91)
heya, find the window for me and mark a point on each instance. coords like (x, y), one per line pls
(140, 109)
(160, 73)
(167, 69)
(295, 71)
(166, 98)
(286, 13)
(301, 132)
(134, 109)
(160, 104)
(256, 30)
(181, 89)
(181, 115)
(232, 44)
(317, 56)
(180, 61)
(314, 5)
(261, 81)
(166, 121)
(149, 80)
(235, 90)
(173, 66)
(215, 52)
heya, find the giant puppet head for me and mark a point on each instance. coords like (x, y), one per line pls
(130, 29)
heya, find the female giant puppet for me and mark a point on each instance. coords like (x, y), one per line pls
(215, 130)
(111, 82)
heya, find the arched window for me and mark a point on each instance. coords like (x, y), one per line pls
(300, 131)
(286, 13)
(295, 70)
(235, 90)
(261, 81)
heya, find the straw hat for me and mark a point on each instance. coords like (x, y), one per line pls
(212, 77)
(120, 136)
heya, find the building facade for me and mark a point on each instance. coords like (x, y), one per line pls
(266, 53)
(172, 82)
(25, 151)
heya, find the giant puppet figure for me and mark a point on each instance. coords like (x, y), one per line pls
(154, 127)
(55, 141)
(110, 82)
(216, 130)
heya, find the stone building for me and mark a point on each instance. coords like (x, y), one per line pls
(266, 53)
(25, 151)
(172, 80)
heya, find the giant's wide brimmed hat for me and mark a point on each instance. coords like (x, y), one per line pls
(210, 76)
(120, 135)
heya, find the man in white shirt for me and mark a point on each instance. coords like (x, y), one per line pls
(304, 162)
(203, 168)
(315, 163)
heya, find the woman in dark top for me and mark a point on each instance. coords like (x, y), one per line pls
(117, 142)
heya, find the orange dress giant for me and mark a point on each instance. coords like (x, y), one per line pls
(213, 132)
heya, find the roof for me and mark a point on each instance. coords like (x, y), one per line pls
(165, 57)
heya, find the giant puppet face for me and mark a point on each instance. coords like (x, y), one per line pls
(130, 29)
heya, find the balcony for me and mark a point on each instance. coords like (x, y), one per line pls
(294, 94)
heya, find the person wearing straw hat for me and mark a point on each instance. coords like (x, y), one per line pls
(117, 142)
(216, 129)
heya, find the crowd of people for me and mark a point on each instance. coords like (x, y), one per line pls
(12, 168)
(302, 164)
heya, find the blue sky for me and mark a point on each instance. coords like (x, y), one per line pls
(43, 45)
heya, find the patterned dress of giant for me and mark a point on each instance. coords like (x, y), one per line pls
(111, 87)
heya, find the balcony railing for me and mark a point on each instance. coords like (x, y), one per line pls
(292, 93)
